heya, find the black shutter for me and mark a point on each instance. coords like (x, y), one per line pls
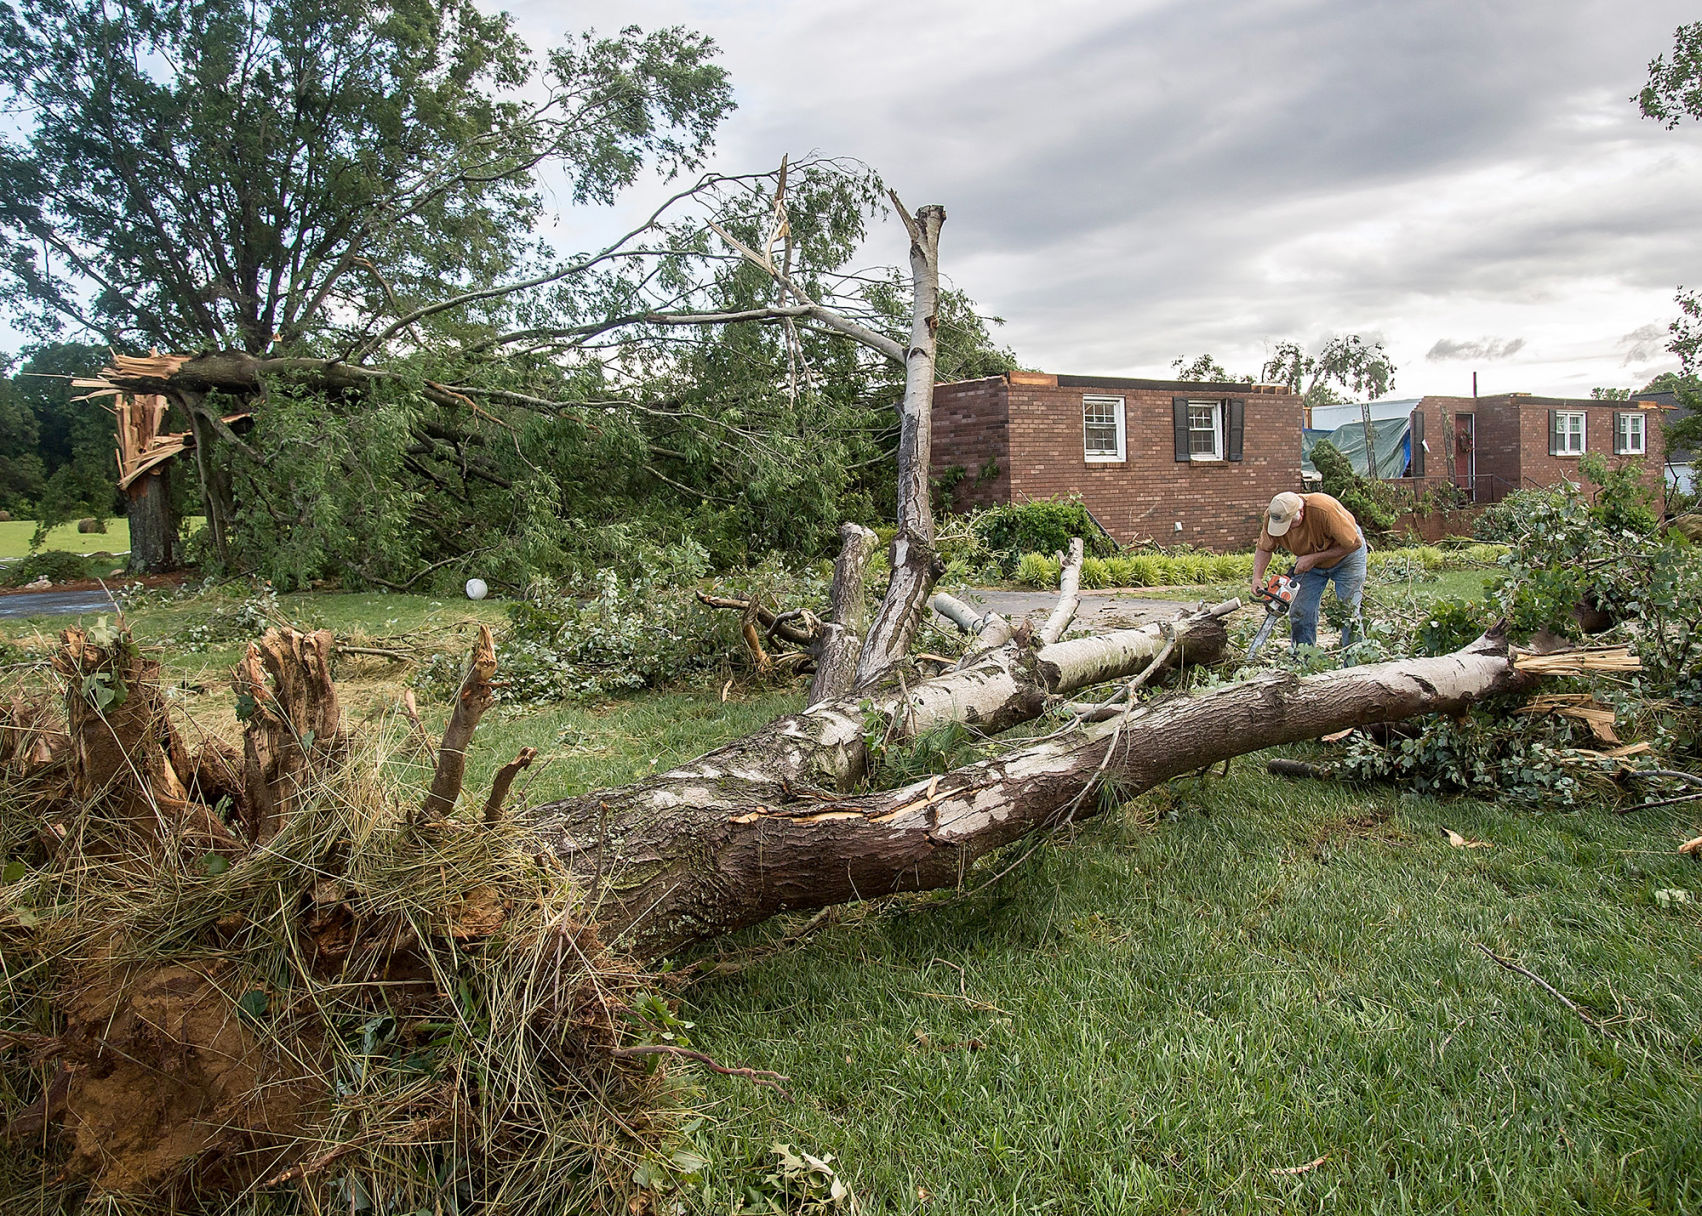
(1237, 424)
(1179, 409)
(1416, 433)
(1554, 432)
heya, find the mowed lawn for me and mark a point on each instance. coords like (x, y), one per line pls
(1249, 995)
(15, 537)
(1241, 994)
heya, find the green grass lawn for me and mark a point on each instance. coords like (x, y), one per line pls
(1242, 979)
(15, 538)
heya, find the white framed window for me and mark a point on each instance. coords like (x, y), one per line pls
(1205, 430)
(1102, 429)
(1567, 438)
(1628, 435)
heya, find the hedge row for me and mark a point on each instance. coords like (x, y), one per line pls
(1195, 569)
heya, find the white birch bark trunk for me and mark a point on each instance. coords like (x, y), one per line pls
(915, 565)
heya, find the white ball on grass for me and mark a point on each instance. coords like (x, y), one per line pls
(476, 589)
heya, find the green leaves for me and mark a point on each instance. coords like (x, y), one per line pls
(253, 1004)
(290, 164)
(103, 690)
(1674, 90)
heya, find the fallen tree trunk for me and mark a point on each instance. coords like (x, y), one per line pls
(825, 747)
(703, 851)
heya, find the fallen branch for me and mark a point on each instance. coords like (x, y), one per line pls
(784, 625)
(757, 1076)
(1299, 768)
(1069, 594)
(1541, 983)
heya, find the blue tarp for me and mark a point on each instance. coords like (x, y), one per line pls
(1390, 435)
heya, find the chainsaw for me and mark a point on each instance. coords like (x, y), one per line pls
(1277, 595)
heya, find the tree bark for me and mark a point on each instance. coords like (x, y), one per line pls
(915, 565)
(217, 498)
(848, 617)
(476, 695)
(153, 530)
(703, 850)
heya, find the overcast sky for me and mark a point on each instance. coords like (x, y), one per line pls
(1129, 182)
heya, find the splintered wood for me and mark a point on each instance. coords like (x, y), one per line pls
(1580, 707)
(142, 445)
(1577, 662)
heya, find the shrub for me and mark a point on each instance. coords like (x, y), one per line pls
(1095, 573)
(1037, 570)
(1231, 567)
(56, 565)
(1483, 555)
(1122, 570)
(1042, 526)
(1143, 571)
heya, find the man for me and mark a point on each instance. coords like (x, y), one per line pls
(1327, 545)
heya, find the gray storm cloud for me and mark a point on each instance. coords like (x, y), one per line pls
(1482, 349)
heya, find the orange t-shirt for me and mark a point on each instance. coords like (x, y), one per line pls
(1324, 524)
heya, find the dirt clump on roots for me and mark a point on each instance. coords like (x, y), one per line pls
(163, 1072)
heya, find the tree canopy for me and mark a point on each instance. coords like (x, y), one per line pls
(1346, 360)
(257, 175)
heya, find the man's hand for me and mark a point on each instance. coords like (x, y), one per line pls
(1303, 564)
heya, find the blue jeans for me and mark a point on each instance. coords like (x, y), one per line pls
(1349, 576)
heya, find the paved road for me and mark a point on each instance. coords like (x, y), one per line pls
(55, 603)
(1099, 610)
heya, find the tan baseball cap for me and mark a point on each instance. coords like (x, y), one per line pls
(1284, 510)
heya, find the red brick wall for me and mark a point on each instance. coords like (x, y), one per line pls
(970, 429)
(1144, 496)
(1512, 440)
(1538, 467)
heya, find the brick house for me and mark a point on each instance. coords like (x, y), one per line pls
(1160, 460)
(1516, 441)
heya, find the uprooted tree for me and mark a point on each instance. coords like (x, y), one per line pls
(257, 966)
